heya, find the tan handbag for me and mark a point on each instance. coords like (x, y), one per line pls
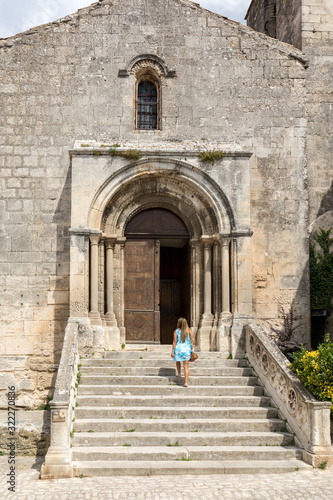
(194, 356)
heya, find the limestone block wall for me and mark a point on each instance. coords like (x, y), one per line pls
(317, 33)
(288, 24)
(59, 83)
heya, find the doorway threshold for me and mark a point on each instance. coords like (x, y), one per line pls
(148, 347)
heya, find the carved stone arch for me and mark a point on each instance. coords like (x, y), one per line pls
(116, 221)
(160, 178)
(150, 61)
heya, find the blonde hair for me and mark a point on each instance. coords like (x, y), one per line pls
(183, 325)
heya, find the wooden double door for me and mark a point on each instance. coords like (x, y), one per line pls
(157, 288)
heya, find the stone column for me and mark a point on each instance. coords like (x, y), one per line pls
(109, 316)
(204, 339)
(225, 320)
(121, 242)
(225, 276)
(111, 322)
(207, 315)
(195, 292)
(94, 315)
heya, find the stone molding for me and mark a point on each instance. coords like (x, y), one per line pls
(149, 61)
(307, 418)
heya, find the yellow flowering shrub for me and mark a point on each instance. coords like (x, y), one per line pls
(315, 369)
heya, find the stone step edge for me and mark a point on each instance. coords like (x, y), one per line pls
(145, 468)
(180, 434)
(174, 397)
(158, 449)
(177, 420)
(142, 386)
(178, 408)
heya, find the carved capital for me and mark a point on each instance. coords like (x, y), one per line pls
(94, 239)
(110, 242)
(207, 242)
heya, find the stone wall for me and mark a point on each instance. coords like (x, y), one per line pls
(60, 83)
(32, 432)
(288, 19)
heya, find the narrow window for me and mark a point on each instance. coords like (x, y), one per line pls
(147, 106)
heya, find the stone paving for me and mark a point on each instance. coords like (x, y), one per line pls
(314, 485)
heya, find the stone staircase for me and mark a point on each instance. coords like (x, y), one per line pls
(134, 417)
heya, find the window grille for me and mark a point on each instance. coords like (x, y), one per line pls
(147, 106)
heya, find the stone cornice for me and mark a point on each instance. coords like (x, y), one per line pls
(159, 150)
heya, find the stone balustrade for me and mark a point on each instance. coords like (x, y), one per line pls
(58, 461)
(306, 417)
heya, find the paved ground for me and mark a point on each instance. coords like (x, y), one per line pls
(314, 485)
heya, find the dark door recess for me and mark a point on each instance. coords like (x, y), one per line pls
(157, 276)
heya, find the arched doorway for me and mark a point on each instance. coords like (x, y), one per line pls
(157, 275)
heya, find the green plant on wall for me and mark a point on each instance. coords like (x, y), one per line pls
(315, 369)
(211, 156)
(321, 271)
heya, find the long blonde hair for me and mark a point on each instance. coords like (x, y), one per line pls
(183, 325)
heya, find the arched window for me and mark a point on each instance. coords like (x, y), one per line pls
(147, 106)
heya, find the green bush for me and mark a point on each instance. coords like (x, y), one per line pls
(315, 369)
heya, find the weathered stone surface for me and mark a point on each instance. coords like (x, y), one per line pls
(32, 432)
(231, 86)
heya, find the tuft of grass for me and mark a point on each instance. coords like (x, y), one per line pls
(127, 444)
(230, 356)
(129, 154)
(174, 444)
(85, 145)
(45, 406)
(129, 430)
(2, 453)
(184, 459)
(90, 430)
(323, 465)
(72, 433)
(211, 156)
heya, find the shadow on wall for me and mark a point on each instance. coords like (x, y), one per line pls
(322, 320)
(60, 285)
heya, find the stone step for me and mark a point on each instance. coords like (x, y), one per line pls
(173, 400)
(166, 353)
(166, 372)
(165, 362)
(179, 453)
(163, 390)
(179, 424)
(154, 380)
(135, 438)
(172, 412)
(151, 468)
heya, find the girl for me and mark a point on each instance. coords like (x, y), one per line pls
(182, 347)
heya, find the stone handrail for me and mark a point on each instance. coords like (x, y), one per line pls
(307, 418)
(58, 461)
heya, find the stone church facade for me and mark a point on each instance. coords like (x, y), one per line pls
(159, 160)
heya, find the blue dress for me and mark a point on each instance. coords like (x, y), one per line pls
(182, 350)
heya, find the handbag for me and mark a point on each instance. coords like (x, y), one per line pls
(194, 356)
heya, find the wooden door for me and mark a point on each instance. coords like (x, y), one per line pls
(142, 315)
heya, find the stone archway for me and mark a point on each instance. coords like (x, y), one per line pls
(216, 258)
